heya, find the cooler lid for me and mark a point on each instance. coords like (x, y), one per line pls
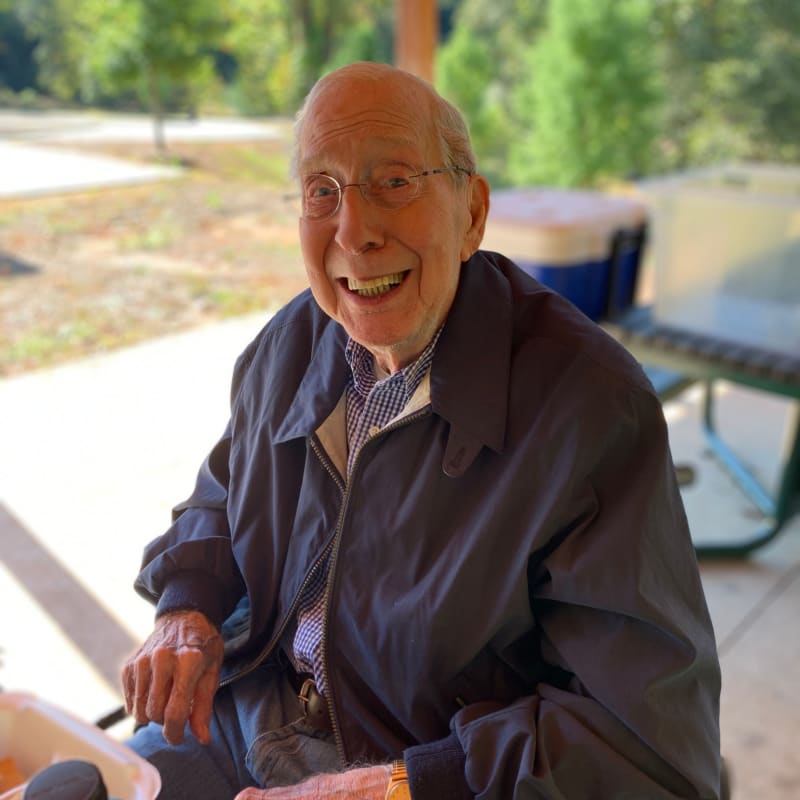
(558, 226)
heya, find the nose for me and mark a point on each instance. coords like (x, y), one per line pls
(358, 223)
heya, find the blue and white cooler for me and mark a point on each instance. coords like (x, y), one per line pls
(585, 245)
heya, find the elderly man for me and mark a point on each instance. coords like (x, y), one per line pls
(439, 551)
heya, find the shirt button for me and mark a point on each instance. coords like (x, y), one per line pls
(374, 430)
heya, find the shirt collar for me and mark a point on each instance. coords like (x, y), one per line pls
(362, 367)
(469, 387)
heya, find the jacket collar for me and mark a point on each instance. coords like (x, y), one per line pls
(471, 366)
(322, 385)
(469, 375)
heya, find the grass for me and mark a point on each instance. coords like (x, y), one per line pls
(157, 236)
(115, 266)
(43, 347)
(256, 166)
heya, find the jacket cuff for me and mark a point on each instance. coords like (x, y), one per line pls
(436, 771)
(190, 590)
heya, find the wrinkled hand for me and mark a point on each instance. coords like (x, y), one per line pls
(174, 675)
(365, 783)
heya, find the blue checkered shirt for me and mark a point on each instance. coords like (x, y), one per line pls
(371, 402)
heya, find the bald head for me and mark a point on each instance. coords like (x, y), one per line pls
(437, 117)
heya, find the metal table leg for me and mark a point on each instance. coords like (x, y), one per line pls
(777, 508)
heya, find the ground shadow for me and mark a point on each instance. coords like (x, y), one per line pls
(11, 265)
(92, 629)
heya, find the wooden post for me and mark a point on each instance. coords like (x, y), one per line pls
(416, 36)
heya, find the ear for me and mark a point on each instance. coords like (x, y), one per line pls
(478, 211)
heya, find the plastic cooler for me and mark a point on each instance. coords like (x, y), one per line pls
(726, 245)
(565, 239)
(36, 734)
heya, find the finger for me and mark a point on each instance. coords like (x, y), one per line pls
(142, 689)
(128, 685)
(200, 717)
(176, 715)
(162, 665)
(188, 669)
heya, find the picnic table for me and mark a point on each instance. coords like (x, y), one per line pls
(708, 359)
(726, 256)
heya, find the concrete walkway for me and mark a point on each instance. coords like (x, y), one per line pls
(28, 167)
(88, 126)
(94, 455)
(27, 170)
(754, 602)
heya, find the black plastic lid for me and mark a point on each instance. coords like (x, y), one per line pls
(67, 780)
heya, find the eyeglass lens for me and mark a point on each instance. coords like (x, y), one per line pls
(388, 185)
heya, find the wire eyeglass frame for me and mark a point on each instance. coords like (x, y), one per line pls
(378, 194)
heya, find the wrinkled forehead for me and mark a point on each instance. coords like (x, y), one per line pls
(356, 119)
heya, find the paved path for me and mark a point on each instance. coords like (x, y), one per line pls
(83, 126)
(29, 167)
(27, 170)
(94, 454)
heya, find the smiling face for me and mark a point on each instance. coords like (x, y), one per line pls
(387, 275)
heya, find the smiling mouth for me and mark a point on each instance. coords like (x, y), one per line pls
(375, 286)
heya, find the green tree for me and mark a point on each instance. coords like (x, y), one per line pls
(731, 68)
(281, 48)
(57, 27)
(17, 65)
(151, 46)
(320, 28)
(267, 53)
(259, 42)
(591, 101)
(466, 75)
(93, 50)
(478, 67)
(776, 87)
(370, 39)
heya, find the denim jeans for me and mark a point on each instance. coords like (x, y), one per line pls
(259, 737)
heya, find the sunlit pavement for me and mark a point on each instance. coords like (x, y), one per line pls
(87, 126)
(93, 457)
(29, 167)
(27, 170)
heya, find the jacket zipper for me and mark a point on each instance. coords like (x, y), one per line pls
(273, 643)
(331, 548)
(334, 549)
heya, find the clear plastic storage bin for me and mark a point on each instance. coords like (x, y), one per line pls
(36, 734)
(726, 253)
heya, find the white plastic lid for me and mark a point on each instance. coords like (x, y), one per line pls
(558, 226)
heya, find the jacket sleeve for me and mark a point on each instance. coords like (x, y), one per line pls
(191, 566)
(617, 598)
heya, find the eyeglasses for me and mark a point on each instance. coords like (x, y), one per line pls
(386, 186)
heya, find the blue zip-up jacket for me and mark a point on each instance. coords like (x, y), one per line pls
(514, 600)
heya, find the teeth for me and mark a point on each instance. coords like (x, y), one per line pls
(374, 286)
